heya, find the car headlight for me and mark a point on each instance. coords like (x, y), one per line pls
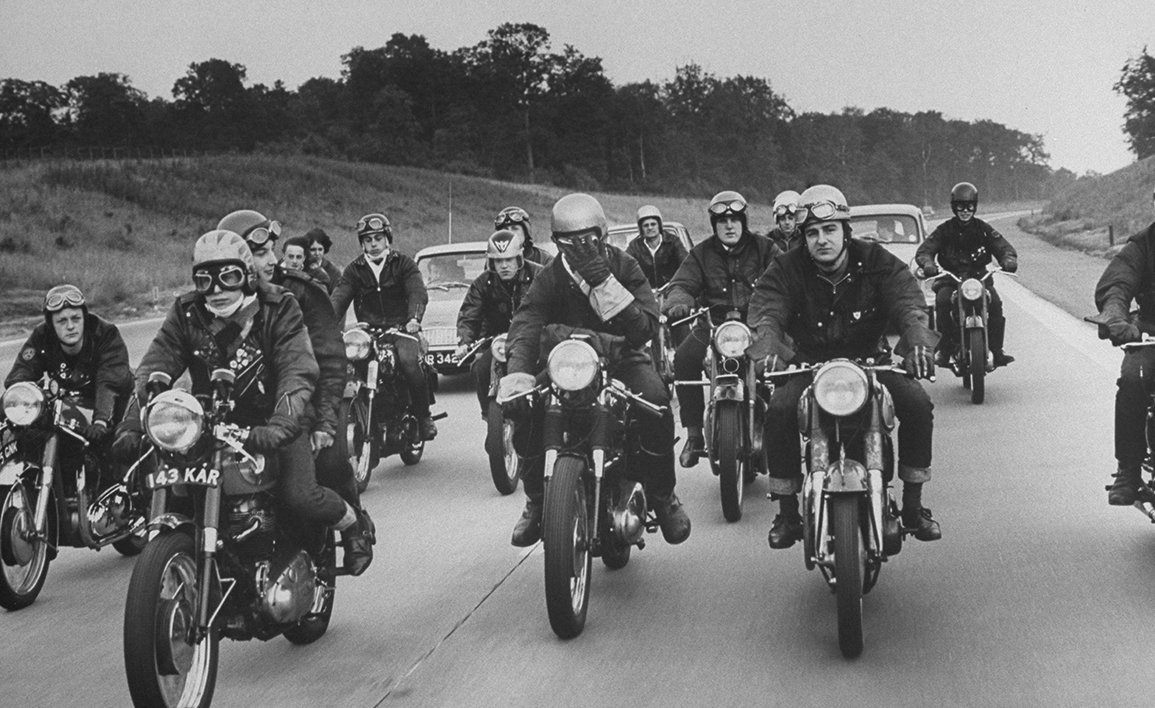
(841, 388)
(174, 420)
(731, 339)
(971, 288)
(357, 344)
(572, 365)
(498, 348)
(22, 403)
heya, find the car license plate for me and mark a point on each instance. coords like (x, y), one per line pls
(198, 476)
(434, 358)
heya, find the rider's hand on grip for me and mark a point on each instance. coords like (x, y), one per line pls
(513, 385)
(1123, 331)
(460, 351)
(126, 447)
(677, 312)
(97, 432)
(760, 349)
(1011, 265)
(919, 362)
(264, 438)
(929, 270)
(413, 326)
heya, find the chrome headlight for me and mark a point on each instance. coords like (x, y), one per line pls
(841, 388)
(498, 348)
(572, 365)
(971, 288)
(174, 421)
(731, 339)
(357, 344)
(22, 403)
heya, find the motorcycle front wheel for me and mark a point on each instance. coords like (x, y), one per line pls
(163, 665)
(355, 414)
(848, 569)
(977, 353)
(504, 462)
(731, 463)
(23, 556)
(566, 539)
(414, 444)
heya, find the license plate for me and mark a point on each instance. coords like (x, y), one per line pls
(439, 358)
(198, 476)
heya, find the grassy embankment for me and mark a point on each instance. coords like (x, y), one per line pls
(123, 231)
(1079, 217)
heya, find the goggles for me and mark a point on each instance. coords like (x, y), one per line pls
(511, 217)
(581, 238)
(227, 277)
(262, 233)
(785, 209)
(63, 296)
(374, 223)
(734, 207)
(821, 211)
(964, 206)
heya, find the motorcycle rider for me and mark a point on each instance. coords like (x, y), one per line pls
(1130, 276)
(833, 298)
(232, 321)
(82, 353)
(658, 253)
(965, 246)
(599, 288)
(514, 217)
(387, 290)
(492, 299)
(719, 273)
(332, 466)
(786, 234)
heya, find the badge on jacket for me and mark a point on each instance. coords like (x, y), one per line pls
(28, 354)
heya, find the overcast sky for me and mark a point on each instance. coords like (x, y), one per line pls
(1039, 67)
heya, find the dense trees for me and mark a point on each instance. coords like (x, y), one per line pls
(1137, 83)
(512, 107)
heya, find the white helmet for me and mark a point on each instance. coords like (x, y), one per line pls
(785, 203)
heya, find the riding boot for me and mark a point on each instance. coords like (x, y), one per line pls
(1125, 489)
(694, 448)
(358, 540)
(787, 525)
(528, 529)
(915, 516)
(997, 332)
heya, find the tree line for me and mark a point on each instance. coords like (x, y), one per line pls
(511, 107)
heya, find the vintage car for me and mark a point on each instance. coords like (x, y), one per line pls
(901, 228)
(449, 270)
(622, 234)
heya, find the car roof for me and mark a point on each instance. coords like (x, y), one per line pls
(876, 209)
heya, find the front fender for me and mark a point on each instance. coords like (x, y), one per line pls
(845, 477)
(728, 388)
(973, 322)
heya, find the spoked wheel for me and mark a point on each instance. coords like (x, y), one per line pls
(415, 445)
(504, 462)
(355, 414)
(314, 625)
(731, 461)
(849, 562)
(164, 666)
(566, 539)
(977, 353)
(23, 556)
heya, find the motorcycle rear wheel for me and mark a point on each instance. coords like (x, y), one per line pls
(504, 462)
(977, 354)
(355, 414)
(24, 560)
(162, 666)
(848, 570)
(314, 625)
(414, 444)
(731, 461)
(566, 539)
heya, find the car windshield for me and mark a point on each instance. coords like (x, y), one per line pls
(451, 270)
(888, 228)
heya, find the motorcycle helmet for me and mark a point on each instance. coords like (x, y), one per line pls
(221, 247)
(375, 223)
(577, 215)
(822, 202)
(785, 203)
(252, 226)
(504, 243)
(649, 212)
(963, 194)
(728, 203)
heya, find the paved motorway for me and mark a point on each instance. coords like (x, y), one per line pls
(1036, 594)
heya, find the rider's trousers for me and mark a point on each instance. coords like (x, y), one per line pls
(1136, 377)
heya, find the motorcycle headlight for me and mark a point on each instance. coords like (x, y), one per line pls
(174, 420)
(731, 339)
(572, 365)
(841, 388)
(499, 348)
(971, 288)
(22, 403)
(357, 344)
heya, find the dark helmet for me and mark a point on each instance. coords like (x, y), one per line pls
(252, 226)
(728, 203)
(375, 223)
(963, 193)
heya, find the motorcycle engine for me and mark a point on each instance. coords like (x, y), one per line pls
(628, 515)
(252, 524)
(285, 588)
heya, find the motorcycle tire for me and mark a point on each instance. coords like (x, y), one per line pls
(848, 571)
(414, 444)
(504, 462)
(566, 538)
(977, 356)
(162, 667)
(731, 461)
(355, 414)
(23, 564)
(313, 626)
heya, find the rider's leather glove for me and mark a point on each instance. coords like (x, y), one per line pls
(460, 351)
(1123, 331)
(919, 362)
(512, 385)
(413, 326)
(586, 258)
(97, 432)
(126, 447)
(1011, 265)
(677, 312)
(929, 270)
(265, 438)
